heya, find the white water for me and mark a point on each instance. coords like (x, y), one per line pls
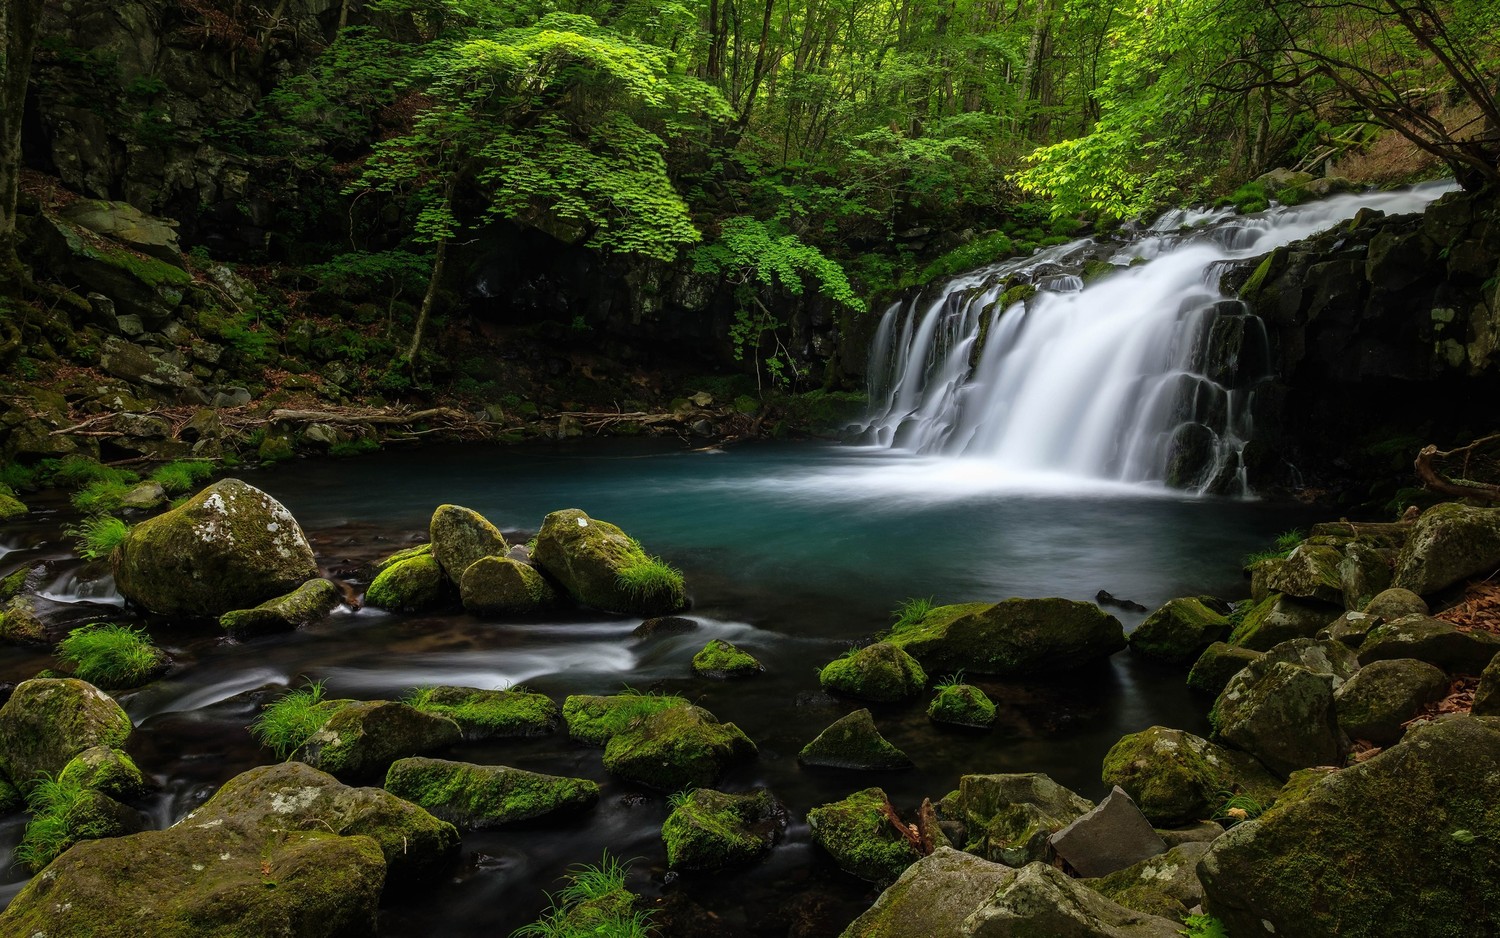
(1094, 383)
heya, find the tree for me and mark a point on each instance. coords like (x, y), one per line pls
(19, 21)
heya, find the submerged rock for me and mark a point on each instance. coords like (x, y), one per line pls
(413, 583)
(1449, 544)
(1176, 777)
(309, 603)
(711, 830)
(721, 660)
(1042, 900)
(1011, 638)
(601, 566)
(853, 742)
(48, 721)
(933, 897)
(505, 587)
(460, 536)
(858, 834)
(485, 714)
(1179, 631)
(473, 796)
(1008, 818)
(362, 738)
(1374, 703)
(961, 705)
(676, 748)
(881, 672)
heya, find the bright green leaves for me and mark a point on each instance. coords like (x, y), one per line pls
(748, 249)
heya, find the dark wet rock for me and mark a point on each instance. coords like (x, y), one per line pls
(504, 587)
(48, 721)
(859, 836)
(1042, 900)
(713, 830)
(1309, 572)
(1282, 714)
(1114, 834)
(1277, 619)
(488, 714)
(1218, 663)
(595, 560)
(932, 897)
(881, 672)
(675, 748)
(1011, 638)
(1176, 777)
(1395, 603)
(854, 742)
(664, 625)
(1449, 544)
(1179, 631)
(460, 536)
(1373, 704)
(1433, 641)
(1166, 885)
(364, 737)
(409, 581)
(474, 796)
(1008, 818)
(1105, 598)
(311, 602)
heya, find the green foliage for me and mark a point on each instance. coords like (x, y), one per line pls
(288, 722)
(1236, 809)
(356, 447)
(649, 577)
(1285, 543)
(986, 250)
(15, 477)
(949, 681)
(79, 471)
(356, 272)
(58, 807)
(750, 251)
(98, 536)
(1203, 926)
(183, 475)
(911, 612)
(110, 655)
(101, 497)
(594, 904)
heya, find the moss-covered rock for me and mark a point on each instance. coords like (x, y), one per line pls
(675, 748)
(853, 742)
(474, 796)
(1309, 572)
(1013, 638)
(1487, 695)
(1374, 703)
(1449, 544)
(1044, 901)
(405, 553)
(1395, 603)
(881, 672)
(858, 835)
(1218, 663)
(1165, 885)
(1320, 656)
(1433, 641)
(1179, 631)
(712, 830)
(597, 720)
(601, 566)
(411, 584)
(308, 603)
(501, 586)
(961, 705)
(231, 546)
(1403, 845)
(1175, 777)
(1282, 714)
(105, 770)
(48, 721)
(486, 714)
(11, 507)
(1365, 572)
(1351, 628)
(460, 536)
(20, 625)
(932, 897)
(1278, 619)
(361, 739)
(1008, 818)
(720, 660)
(13, 583)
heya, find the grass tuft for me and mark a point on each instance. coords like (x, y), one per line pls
(79, 471)
(110, 655)
(1237, 809)
(910, 612)
(56, 823)
(98, 536)
(288, 722)
(594, 903)
(1285, 543)
(949, 681)
(647, 579)
(183, 475)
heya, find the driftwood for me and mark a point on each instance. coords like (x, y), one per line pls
(908, 832)
(372, 416)
(1435, 480)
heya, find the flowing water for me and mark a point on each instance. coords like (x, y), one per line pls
(790, 551)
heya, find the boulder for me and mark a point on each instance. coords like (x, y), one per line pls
(504, 587)
(1112, 835)
(409, 584)
(308, 603)
(128, 225)
(675, 748)
(1403, 845)
(1041, 900)
(1487, 696)
(1364, 573)
(1012, 638)
(1449, 544)
(362, 738)
(1179, 631)
(853, 742)
(1320, 656)
(1351, 628)
(712, 830)
(1373, 704)
(106, 770)
(664, 625)
(1165, 885)
(858, 834)
(48, 721)
(1008, 818)
(881, 672)
(1176, 777)
(11, 507)
(488, 714)
(460, 536)
(1309, 572)
(1277, 619)
(601, 566)
(597, 720)
(20, 625)
(1282, 714)
(933, 897)
(1433, 641)
(961, 705)
(474, 796)
(720, 660)
(1218, 663)
(231, 546)
(1395, 603)
(144, 497)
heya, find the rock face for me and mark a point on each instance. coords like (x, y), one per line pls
(1433, 641)
(853, 742)
(309, 603)
(675, 748)
(364, 737)
(1374, 703)
(1404, 845)
(1282, 714)
(712, 830)
(48, 721)
(593, 561)
(933, 897)
(505, 587)
(231, 546)
(1179, 631)
(1113, 835)
(861, 840)
(881, 672)
(1008, 818)
(472, 796)
(1042, 900)
(460, 536)
(1176, 777)
(1450, 543)
(1012, 638)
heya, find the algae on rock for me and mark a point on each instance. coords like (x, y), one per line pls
(473, 796)
(881, 672)
(858, 834)
(712, 830)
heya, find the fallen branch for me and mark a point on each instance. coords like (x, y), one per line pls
(909, 833)
(1435, 481)
(380, 417)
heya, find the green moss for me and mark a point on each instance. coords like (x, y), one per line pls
(676, 748)
(881, 672)
(1011, 638)
(1218, 663)
(105, 769)
(111, 655)
(311, 602)
(962, 705)
(596, 720)
(64, 812)
(1097, 268)
(11, 507)
(859, 836)
(854, 742)
(148, 270)
(711, 830)
(484, 796)
(1251, 197)
(412, 583)
(721, 660)
(1266, 271)
(13, 583)
(1245, 632)
(292, 718)
(407, 553)
(1179, 631)
(483, 714)
(1017, 294)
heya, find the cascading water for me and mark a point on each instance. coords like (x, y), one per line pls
(1146, 373)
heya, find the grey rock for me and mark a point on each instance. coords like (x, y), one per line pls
(1282, 714)
(933, 897)
(1112, 836)
(1042, 900)
(1375, 703)
(1431, 640)
(853, 742)
(1449, 544)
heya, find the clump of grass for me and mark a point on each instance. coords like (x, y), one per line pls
(110, 655)
(79, 471)
(101, 497)
(594, 903)
(1285, 543)
(15, 477)
(288, 722)
(1237, 809)
(184, 475)
(910, 612)
(647, 580)
(679, 798)
(98, 536)
(53, 828)
(949, 681)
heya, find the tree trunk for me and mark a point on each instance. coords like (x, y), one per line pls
(19, 20)
(429, 300)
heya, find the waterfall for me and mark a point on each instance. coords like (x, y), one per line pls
(1117, 360)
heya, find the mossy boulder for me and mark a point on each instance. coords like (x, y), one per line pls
(231, 546)
(597, 720)
(1309, 572)
(1449, 544)
(1320, 656)
(1365, 572)
(474, 796)
(308, 603)
(858, 835)
(597, 563)
(1282, 714)
(720, 660)
(932, 897)
(675, 748)
(961, 705)
(1487, 695)
(1374, 703)
(1218, 663)
(1043, 900)
(1165, 885)
(1176, 778)
(1351, 628)
(487, 714)
(1433, 641)
(712, 830)
(405, 553)
(460, 536)
(361, 739)
(501, 586)
(1278, 619)
(1395, 603)
(853, 742)
(11, 507)
(1403, 845)
(1014, 638)
(48, 721)
(106, 770)
(20, 625)
(1179, 631)
(881, 672)
(411, 584)
(1009, 818)
(13, 583)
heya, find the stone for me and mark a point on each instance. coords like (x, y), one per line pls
(1449, 544)
(1374, 703)
(364, 737)
(1166, 884)
(853, 742)
(409, 584)
(311, 602)
(1487, 695)
(664, 625)
(1282, 714)
(675, 748)
(932, 897)
(1433, 641)
(720, 660)
(11, 507)
(230, 398)
(144, 497)
(1009, 817)
(1395, 603)
(1277, 619)
(20, 625)
(881, 672)
(48, 721)
(489, 714)
(231, 546)
(857, 834)
(460, 536)
(1016, 637)
(1179, 631)
(1351, 628)
(1397, 846)
(123, 222)
(1176, 778)
(106, 770)
(1309, 572)
(961, 705)
(1109, 837)
(714, 830)
(504, 587)
(597, 720)
(477, 796)
(1041, 900)
(601, 566)
(1320, 656)
(1364, 573)
(1218, 663)
(1202, 832)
